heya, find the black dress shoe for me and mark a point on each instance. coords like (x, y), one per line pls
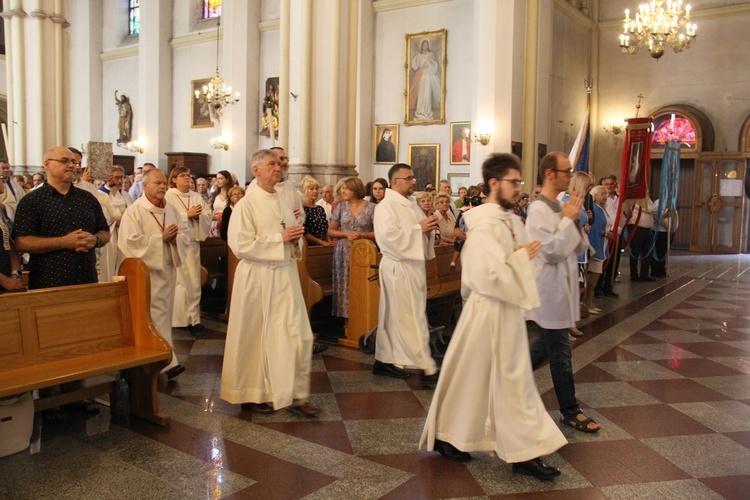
(598, 294)
(429, 381)
(635, 278)
(262, 408)
(388, 370)
(610, 293)
(450, 452)
(318, 348)
(647, 278)
(196, 329)
(536, 468)
(174, 371)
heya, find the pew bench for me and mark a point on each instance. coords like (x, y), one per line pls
(56, 335)
(315, 271)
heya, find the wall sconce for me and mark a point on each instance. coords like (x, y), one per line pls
(615, 128)
(482, 137)
(135, 147)
(220, 143)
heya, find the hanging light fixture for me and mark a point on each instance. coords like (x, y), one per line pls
(216, 95)
(657, 27)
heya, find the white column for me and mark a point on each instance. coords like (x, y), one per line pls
(305, 84)
(19, 84)
(284, 54)
(39, 73)
(334, 75)
(60, 71)
(351, 92)
(9, 51)
(153, 111)
(529, 94)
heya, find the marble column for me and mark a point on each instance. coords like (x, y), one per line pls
(530, 92)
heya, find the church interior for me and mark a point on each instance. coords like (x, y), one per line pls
(664, 368)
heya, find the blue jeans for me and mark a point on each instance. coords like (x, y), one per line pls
(555, 345)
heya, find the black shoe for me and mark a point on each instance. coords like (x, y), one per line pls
(598, 294)
(429, 381)
(635, 278)
(318, 348)
(174, 371)
(610, 293)
(196, 329)
(450, 452)
(536, 468)
(388, 370)
(647, 278)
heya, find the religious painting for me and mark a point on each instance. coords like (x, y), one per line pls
(200, 114)
(635, 165)
(386, 144)
(460, 143)
(425, 77)
(425, 162)
(458, 181)
(99, 159)
(270, 108)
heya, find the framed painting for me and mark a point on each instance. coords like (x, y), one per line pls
(425, 162)
(270, 108)
(458, 181)
(460, 141)
(386, 144)
(200, 115)
(425, 77)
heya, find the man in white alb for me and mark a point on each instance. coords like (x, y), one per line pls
(267, 355)
(406, 238)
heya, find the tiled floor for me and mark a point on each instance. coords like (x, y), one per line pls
(665, 370)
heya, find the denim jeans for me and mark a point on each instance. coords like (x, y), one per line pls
(555, 345)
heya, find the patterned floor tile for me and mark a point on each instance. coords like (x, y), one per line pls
(706, 455)
(659, 351)
(637, 370)
(376, 405)
(720, 416)
(610, 394)
(732, 487)
(653, 421)
(696, 367)
(663, 490)
(679, 391)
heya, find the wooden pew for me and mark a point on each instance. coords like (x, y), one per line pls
(315, 271)
(364, 292)
(57, 335)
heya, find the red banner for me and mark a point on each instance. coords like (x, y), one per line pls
(636, 159)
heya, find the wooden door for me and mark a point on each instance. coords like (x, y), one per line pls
(717, 205)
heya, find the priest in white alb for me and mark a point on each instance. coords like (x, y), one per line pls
(197, 216)
(486, 399)
(406, 239)
(119, 200)
(267, 354)
(153, 231)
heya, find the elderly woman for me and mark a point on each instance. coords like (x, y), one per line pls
(521, 204)
(599, 236)
(316, 221)
(447, 222)
(351, 220)
(424, 202)
(235, 194)
(379, 186)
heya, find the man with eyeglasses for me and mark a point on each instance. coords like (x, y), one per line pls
(406, 238)
(136, 190)
(60, 226)
(13, 190)
(557, 227)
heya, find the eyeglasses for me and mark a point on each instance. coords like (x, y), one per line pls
(568, 171)
(407, 179)
(182, 176)
(67, 161)
(515, 182)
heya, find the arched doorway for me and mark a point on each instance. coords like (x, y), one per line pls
(710, 198)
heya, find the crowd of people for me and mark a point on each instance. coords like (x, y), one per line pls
(542, 257)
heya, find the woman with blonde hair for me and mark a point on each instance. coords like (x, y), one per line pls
(316, 221)
(446, 222)
(352, 219)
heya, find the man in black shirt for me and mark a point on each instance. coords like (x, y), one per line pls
(60, 225)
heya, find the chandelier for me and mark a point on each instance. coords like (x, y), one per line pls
(657, 27)
(216, 95)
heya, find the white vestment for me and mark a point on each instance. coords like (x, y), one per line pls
(486, 398)
(140, 236)
(556, 265)
(288, 194)
(268, 349)
(105, 262)
(11, 197)
(403, 334)
(187, 295)
(111, 254)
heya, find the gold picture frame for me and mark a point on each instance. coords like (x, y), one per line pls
(425, 77)
(457, 155)
(425, 162)
(199, 114)
(385, 145)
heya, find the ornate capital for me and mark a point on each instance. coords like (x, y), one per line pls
(38, 14)
(12, 13)
(59, 19)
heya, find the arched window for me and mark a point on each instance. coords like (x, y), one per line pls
(134, 17)
(673, 127)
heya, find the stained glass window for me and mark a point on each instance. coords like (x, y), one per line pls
(673, 127)
(211, 9)
(134, 17)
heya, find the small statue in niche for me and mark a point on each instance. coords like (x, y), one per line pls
(270, 117)
(125, 123)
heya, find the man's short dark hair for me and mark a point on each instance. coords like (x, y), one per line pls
(75, 151)
(394, 170)
(610, 177)
(549, 162)
(496, 166)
